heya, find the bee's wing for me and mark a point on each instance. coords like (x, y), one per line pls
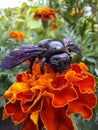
(72, 46)
(19, 55)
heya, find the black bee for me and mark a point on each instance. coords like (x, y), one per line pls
(56, 53)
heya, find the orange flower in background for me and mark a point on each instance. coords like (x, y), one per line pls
(17, 35)
(53, 26)
(50, 99)
(45, 14)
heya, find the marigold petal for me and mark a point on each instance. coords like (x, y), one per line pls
(59, 82)
(82, 105)
(33, 105)
(26, 106)
(13, 110)
(34, 117)
(7, 94)
(64, 96)
(17, 87)
(45, 18)
(13, 90)
(37, 107)
(76, 107)
(54, 118)
(76, 68)
(28, 124)
(86, 81)
(46, 79)
(25, 96)
(5, 115)
(88, 98)
(60, 91)
(25, 77)
(71, 76)
(83, 66)
(87, 84)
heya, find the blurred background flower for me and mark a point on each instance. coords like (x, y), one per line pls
(74, 12)
(17, 35)
(45, 14)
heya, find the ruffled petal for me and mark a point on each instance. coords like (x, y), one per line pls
(59, 82)
(83, 66)
(29, 125)
(55, 118)
(25, 96)
(14, 89)
(34, 117)
(64, 96)
(85, 81)
(82, 105)
(32, 106)
(15, 111)
(87, 84)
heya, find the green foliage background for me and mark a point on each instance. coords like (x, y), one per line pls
(82, 28)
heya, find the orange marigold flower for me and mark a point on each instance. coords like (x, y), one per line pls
(45, 14)
(50, 99)
(53, 26)
(17, 35)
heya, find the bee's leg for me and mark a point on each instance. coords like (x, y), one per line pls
(31, 64)
(43, 60)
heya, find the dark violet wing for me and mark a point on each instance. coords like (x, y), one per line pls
(72, 46)
(19, 55)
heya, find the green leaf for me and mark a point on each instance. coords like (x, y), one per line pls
(96, 71)
(34, 24)
(92, 60)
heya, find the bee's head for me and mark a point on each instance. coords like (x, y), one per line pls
(60, 62)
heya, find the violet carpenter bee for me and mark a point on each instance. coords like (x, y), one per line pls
(54, 52)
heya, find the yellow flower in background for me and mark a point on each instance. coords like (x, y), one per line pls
(75, 11)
